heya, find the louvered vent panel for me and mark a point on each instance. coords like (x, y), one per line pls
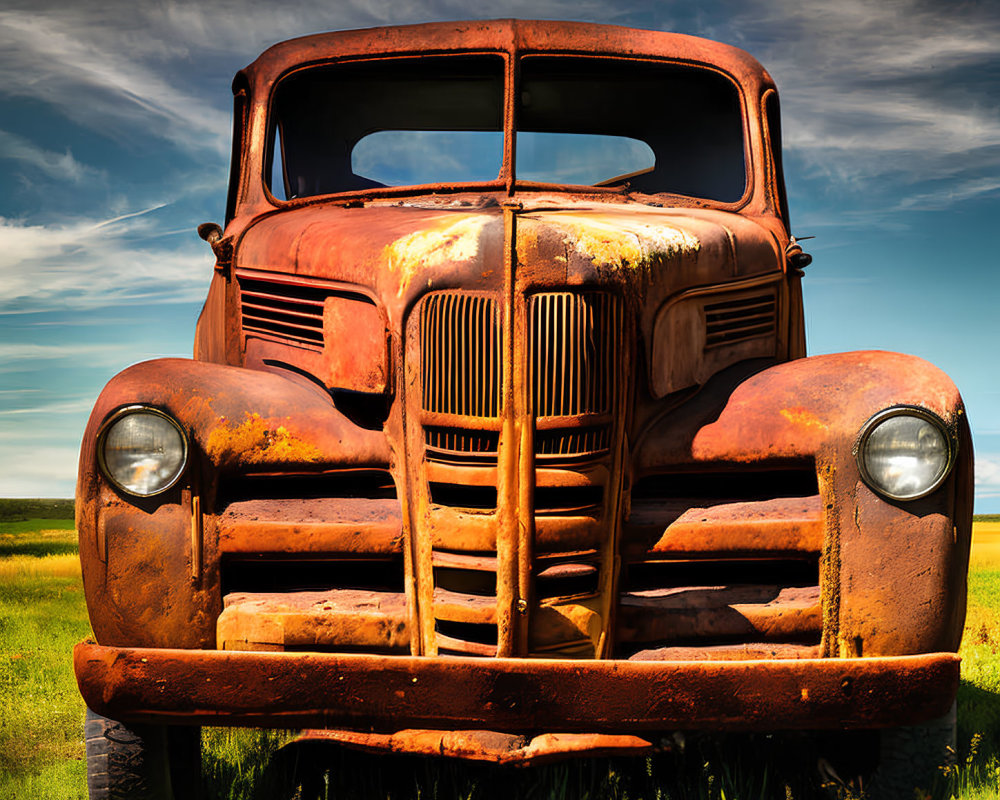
(460, 355)
(732, 321)
(288, 311)
(575, 344)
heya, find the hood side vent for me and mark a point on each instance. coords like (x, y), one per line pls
(732, 321)
(290, 312)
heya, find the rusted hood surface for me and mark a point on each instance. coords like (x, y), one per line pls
(406, 248)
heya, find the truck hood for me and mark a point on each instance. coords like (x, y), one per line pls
(401, 251)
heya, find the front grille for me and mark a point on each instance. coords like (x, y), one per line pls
(573, 352)
(574, 348)
(730, 321)
(574, 342)
(460, 355)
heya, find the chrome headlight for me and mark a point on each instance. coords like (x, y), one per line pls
(142, 451)
(904, 452)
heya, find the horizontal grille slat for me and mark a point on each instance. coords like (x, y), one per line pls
(270, 299)
(255, 309)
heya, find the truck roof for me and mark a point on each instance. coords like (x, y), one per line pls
(512, 36)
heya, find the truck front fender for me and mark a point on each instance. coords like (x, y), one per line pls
(893, 572)
(150, 566)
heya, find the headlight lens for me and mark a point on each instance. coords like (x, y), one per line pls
(904, 453)
(142, 451)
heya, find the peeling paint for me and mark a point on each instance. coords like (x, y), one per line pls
(622, 242)
(409, 255)
(258, 441)
(803, 417)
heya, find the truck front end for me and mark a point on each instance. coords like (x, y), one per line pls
(500, 420)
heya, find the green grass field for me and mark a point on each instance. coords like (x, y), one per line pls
(42, 615)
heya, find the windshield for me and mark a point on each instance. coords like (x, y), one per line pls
(649, 127)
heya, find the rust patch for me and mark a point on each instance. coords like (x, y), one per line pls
(458, 241)
(258, 441)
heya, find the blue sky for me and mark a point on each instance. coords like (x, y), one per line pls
(114, 128)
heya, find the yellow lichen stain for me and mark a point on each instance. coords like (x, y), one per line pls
(258, 441)
(803, 417)
(430, 248)
(620, 243)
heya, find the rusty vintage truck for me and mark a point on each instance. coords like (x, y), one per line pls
(500, 439)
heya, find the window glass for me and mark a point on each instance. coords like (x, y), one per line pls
(406, 158)
(581, 158)
(690, 120)
(371, 124)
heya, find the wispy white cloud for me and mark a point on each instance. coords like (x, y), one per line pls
(987, 479)
(93, 263)
(73, 61)
(143, 65)
(74, 407)
(876, 91)
(33, 470)
(11, 351)
(60, 166)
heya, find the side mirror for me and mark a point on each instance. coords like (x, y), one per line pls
(211, 232)
(795, 257)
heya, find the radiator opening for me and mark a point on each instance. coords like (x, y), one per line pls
(457, 495)
(793, 481)
(477, 632)
(466, 581)
(461, 445)
(572, 443)
(376, 484)
(567, 580)
(275, 573)
(720, 572)
(568, 500)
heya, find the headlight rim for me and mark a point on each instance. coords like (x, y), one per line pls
(920, 412)
(133, 409)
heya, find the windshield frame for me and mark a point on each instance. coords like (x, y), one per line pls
(507, 181)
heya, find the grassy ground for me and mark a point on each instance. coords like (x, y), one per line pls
(42, 614)
(979, 695)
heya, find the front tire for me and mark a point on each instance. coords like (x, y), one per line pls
(914, 757)
(141, 762)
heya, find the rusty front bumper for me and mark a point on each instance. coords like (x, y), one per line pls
(389, 693)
